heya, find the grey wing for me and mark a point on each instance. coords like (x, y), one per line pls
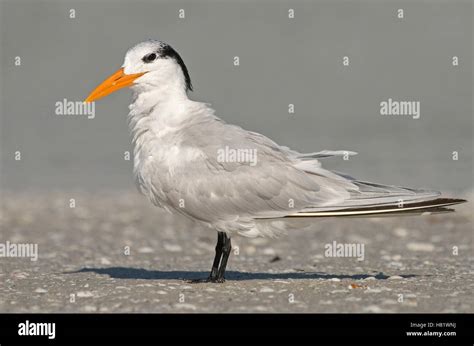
(282, 182)
(274, 186)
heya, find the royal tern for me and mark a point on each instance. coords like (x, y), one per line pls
(187, 160)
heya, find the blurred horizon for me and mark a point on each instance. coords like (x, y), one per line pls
(282, 61)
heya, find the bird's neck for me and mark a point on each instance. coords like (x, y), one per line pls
(147, 97)
(157, 124)
(157, 113)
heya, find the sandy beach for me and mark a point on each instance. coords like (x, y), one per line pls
(114, 252)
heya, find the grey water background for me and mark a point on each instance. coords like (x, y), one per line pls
(282, 61)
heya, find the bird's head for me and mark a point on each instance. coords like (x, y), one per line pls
(148, 65)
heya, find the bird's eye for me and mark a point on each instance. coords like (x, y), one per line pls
(149, 57)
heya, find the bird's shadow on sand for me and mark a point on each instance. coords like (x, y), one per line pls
(144, 274)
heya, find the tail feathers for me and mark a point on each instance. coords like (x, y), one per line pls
(432, 206)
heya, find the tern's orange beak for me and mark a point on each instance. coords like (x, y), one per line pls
(115, 82)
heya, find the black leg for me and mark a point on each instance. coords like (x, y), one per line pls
(220, 246)
(226, 249)
(217, 258)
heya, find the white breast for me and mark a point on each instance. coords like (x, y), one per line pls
(157, 130)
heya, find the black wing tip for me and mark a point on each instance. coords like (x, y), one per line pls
(429, 204)
(450, 200)
(433, 206)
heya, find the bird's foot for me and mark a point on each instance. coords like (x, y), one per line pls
(217, 280)
(210, 279)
